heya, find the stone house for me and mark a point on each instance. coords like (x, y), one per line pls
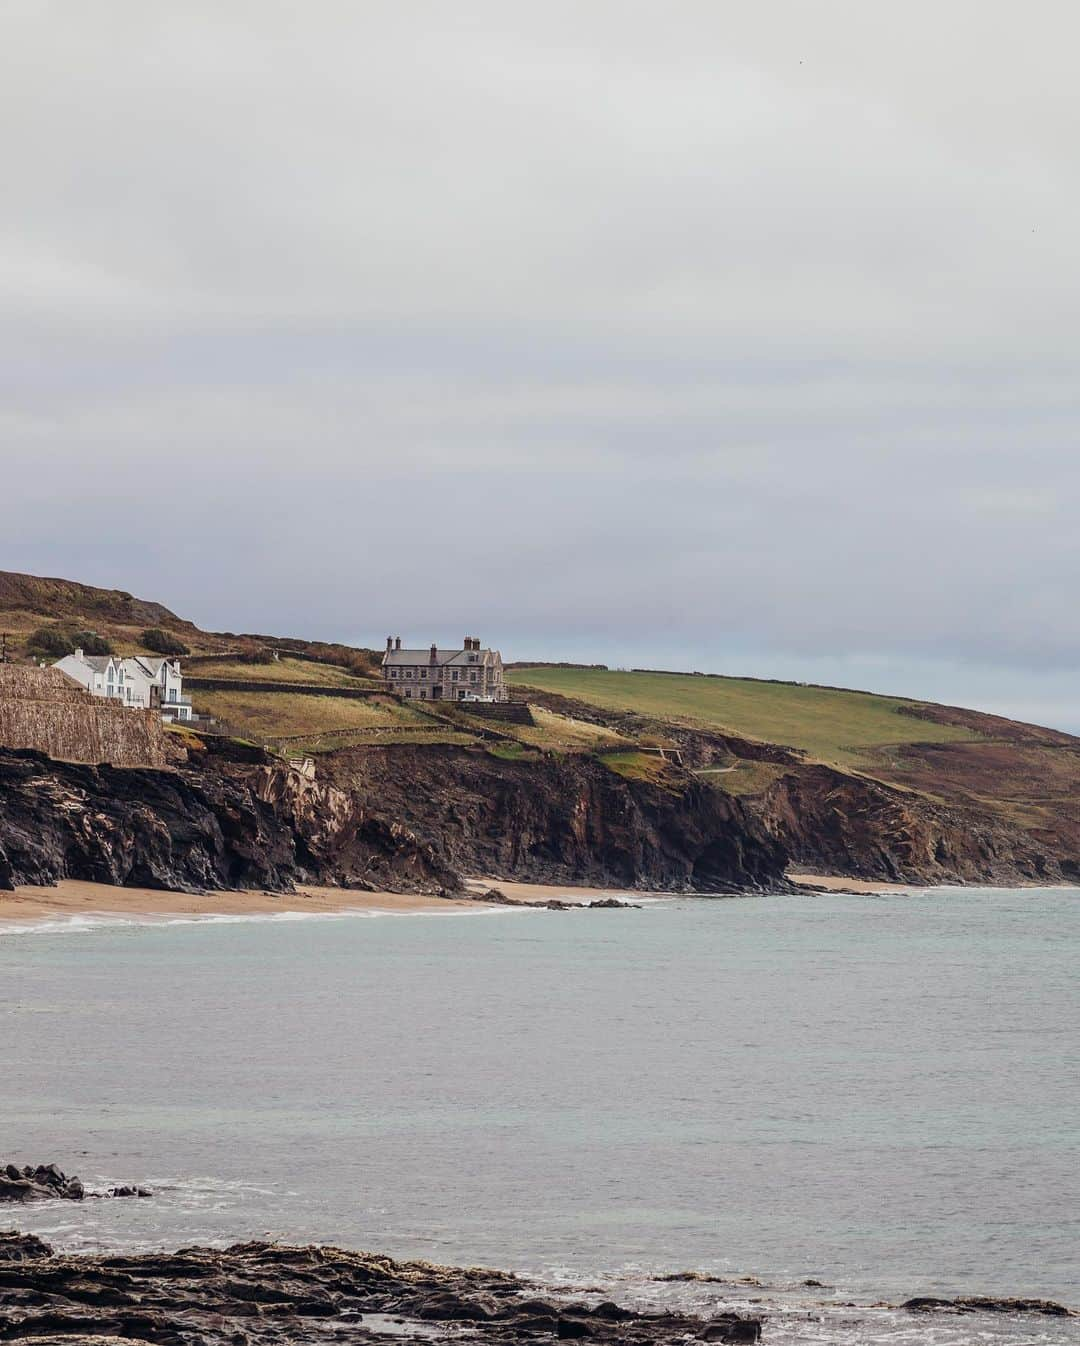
(466, 674)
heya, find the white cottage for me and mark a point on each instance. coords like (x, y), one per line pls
(139, 682)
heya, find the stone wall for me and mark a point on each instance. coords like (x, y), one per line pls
(41, 708)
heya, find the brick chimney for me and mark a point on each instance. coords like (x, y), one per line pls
(389, 644)
(434, 658)
(397, 642)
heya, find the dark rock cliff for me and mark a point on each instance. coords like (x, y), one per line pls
(215, 825)
(837, 823)
(401, 818)
(564, 819)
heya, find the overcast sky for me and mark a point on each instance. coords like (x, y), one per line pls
(704, 334)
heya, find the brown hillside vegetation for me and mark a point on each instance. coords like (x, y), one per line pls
(877, 788)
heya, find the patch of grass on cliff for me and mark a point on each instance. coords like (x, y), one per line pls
(831, 725)
(561, 733)
(644, 766)
(512, 752)
(746, 778)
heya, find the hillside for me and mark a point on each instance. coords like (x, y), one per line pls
(30, 602)
(844, 782)
(1015, 787)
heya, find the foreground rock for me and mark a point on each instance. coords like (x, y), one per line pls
(48, 1183)
(987, 1304)
(256, 1293)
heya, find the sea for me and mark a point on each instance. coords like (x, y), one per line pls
(821, 1106)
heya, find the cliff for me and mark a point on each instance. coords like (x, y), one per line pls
(401, 819)
(565, 819)
(253, 826)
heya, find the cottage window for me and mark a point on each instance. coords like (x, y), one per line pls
(423, 674)
(472, 677)
(454, 675)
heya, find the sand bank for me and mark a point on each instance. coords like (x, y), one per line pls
(72, 897)
(838, 883)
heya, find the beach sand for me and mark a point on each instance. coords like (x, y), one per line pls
(72, 897)
(836, 882)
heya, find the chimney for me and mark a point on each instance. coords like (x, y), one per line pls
(397, 643)
(434, 654)
(389, 644)
(78, 654)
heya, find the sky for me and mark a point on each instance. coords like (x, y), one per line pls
(699, 334)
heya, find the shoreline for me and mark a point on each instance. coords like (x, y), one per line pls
(74, 898)
(77, 897)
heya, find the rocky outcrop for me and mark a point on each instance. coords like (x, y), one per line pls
(406, 818)
(48, 1183)
(264, 1294)
(209, 825)
(1046, 1308)
(564, 819)
(837, 823)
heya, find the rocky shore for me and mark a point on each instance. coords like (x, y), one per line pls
(264, 1294)
(46, 1182)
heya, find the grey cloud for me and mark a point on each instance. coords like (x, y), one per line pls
(735, 336)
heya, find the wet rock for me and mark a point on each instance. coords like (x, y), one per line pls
(987, 1304)
(16, 1247)
(730, 1327)
(48, 1182)
(258, 1294)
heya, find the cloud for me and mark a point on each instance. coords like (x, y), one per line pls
(736, 332)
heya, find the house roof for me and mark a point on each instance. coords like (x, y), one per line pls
(411, 658)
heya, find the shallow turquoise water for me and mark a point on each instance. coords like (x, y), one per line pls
(878, 1092)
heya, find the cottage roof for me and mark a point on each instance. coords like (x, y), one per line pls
(442, 657)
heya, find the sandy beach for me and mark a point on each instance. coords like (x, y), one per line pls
(837, 883)
(72, 897)
(547, 892)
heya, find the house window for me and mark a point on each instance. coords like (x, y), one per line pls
(423, 693)
(472, 677)
(454, 675)
(423, 674)
(408, 691)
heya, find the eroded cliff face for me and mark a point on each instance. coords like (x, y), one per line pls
(836, 823)
(402, 818)
(211, 825)
(998, 811)
(564, 820)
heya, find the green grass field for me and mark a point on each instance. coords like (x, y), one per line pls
(833, 726)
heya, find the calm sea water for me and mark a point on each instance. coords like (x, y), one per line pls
(880, 1093)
